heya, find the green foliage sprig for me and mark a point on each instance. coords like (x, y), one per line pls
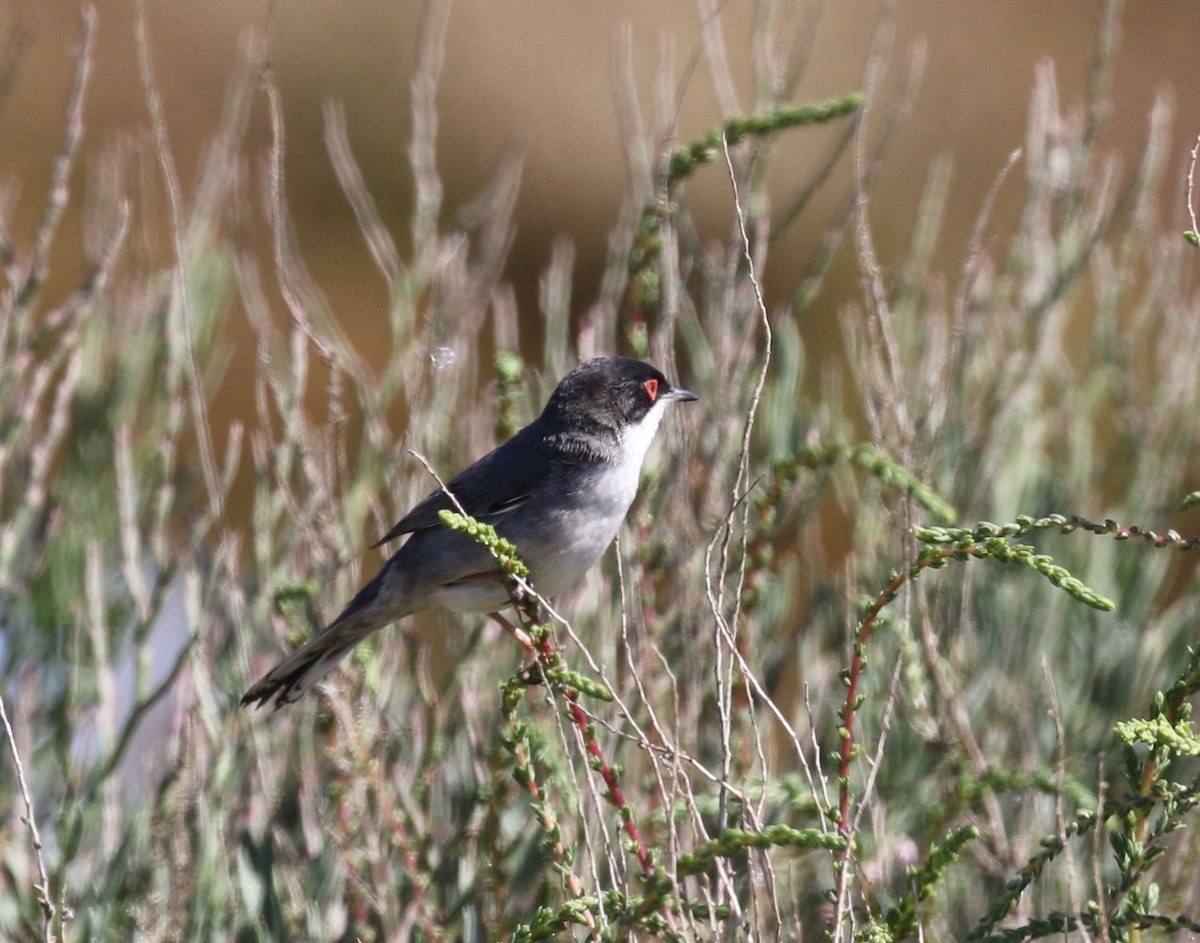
(735, 841)
(1051, 848)
(1024, 524)
(704, 149)
(1160, 734)
(1001, 551)
(901, 918)
(621, 911)
(503, 551)
(970, 788)
(518, 738)
(644, 290)
(509, 369)
(872, 460)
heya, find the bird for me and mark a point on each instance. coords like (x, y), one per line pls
(559, 490)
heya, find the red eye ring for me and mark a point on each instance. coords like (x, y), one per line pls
(651, 388)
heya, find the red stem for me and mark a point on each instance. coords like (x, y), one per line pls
(610, 778)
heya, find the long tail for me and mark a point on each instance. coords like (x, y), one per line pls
(292, 677)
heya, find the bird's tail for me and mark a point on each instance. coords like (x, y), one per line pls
(304, 667)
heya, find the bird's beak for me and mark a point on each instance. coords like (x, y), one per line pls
(683, 396)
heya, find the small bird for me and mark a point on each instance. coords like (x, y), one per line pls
(559, 490)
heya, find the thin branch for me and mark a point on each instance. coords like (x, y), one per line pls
(63, 163)
(43, 885)
(1191, 184)
(366, 213)
(180, 290)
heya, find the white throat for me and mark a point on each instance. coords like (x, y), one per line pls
(636, 438)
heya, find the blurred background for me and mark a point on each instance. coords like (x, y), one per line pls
(539, 78)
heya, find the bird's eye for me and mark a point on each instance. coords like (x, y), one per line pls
(651, 388)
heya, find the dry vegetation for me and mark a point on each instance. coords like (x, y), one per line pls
(760, 723)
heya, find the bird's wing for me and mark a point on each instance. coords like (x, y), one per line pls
(502, 480)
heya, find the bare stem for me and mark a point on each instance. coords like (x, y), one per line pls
(45, 898)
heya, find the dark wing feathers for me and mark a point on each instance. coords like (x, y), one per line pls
(500, 481)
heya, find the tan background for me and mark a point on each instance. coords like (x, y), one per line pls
(538, 74)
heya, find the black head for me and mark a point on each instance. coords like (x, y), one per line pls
(610, 393)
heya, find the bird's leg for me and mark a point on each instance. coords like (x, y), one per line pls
(531, 674)
(515, 631)
(529, 611)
